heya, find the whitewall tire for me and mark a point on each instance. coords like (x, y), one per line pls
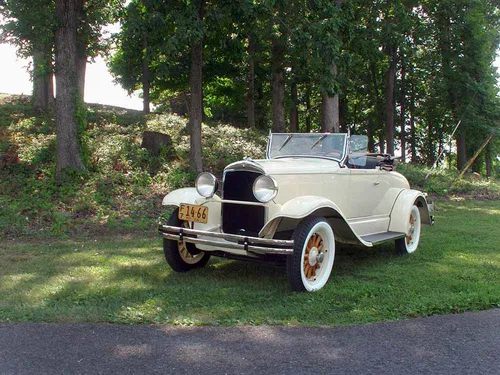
(409, 243)
(310, 265)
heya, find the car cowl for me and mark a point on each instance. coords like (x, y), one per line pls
(289, 165)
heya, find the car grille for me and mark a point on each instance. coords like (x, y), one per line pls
(239, 218)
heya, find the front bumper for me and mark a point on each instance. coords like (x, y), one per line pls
(223, 241)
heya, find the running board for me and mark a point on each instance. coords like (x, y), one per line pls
(377, 238)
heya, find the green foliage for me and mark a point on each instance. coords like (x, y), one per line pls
(123, 187)
(225, 144)
(81, 129)
(29, 25)
(442, 183)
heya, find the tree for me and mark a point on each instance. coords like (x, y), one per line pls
(467, 38)
(29, 26)
(278, 82)
(348, 65)
(196, 81)
(329, 50)
(69, 98)
(138, 41)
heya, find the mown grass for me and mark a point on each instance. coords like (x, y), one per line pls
(126, 280)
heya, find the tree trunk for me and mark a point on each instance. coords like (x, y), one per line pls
(413, 146)
(43, 85)
(278, 86)
(294, 112)
(308, 107)
(488, 160)
(260, 116)
(81, 47)
(251, 83)
(381, 144)
(330, 120)
(389, 101)
(68, 93)
(196, 110)
(461, 148)
(81, 70)
(145, 74)
(379, 104)
(403, 111)
(430, 143)
(343, 109)
(371, 136)
(330, 113)
(439, 151)
(444, 43)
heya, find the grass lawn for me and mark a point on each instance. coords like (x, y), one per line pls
(126, 280)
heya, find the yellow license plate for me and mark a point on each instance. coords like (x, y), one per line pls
(189, 212)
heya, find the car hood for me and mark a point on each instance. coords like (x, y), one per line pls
(285, 166)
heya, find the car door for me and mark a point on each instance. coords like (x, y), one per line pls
(368, 188)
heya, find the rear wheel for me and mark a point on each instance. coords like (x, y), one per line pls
(311, 263)
(409, 244)
(182, 256)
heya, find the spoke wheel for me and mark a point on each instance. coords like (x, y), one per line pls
(311, 263)
(182, 256)
(409, 244)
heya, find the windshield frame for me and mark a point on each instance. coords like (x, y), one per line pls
(316, 139)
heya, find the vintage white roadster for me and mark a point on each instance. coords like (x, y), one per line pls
(311, 191)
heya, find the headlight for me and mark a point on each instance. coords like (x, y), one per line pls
(265, 188)
(206, 184)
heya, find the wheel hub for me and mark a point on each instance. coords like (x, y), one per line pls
(315, 256)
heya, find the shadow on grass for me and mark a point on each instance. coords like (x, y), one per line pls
(129, 282)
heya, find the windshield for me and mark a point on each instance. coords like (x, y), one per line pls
(329, 145)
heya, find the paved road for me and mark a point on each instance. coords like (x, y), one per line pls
(456, 344)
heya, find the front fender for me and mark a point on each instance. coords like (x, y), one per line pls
(191, 196)
(301, 207)
(402, 207)
(286, 217)
(296, 209)
(184, 195)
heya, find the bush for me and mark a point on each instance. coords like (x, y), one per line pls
(443, 182)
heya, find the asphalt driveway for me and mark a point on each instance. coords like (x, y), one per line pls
(455, 344)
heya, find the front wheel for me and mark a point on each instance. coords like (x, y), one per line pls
(311, 263)
(409, 244)
(182, 256)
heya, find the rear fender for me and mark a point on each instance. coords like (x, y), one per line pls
(402, 207)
